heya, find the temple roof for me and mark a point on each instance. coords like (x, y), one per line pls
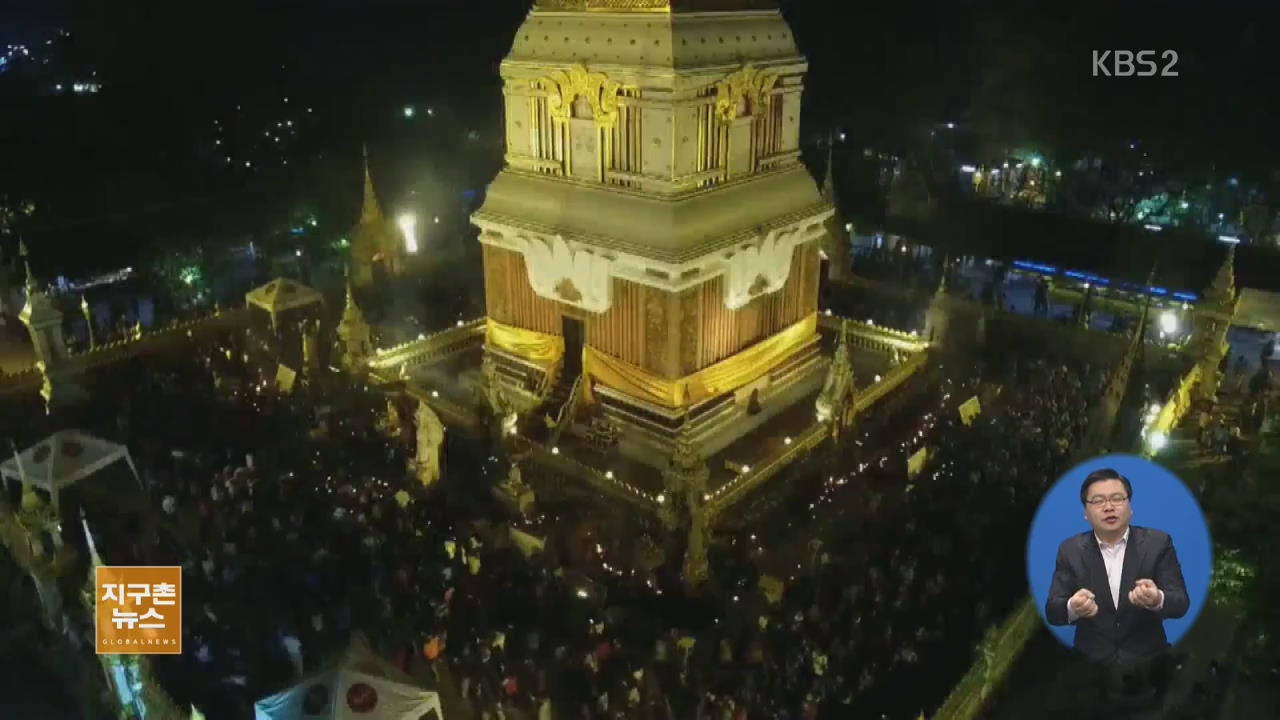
(649, 6)
(282, 294)
(370, 212)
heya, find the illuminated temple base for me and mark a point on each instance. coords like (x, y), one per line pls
(743, 449)
(649, 431)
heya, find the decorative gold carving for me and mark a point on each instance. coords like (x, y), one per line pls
(496, 283)
(655, 340)
(748, 84)
(566, 86)
(689, 327)
(568, 291)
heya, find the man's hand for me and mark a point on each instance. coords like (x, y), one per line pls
(1145, 594)
(1083, 604)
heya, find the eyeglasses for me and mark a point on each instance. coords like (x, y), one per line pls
(1116, 499)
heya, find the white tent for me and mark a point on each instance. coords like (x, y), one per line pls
(359, 686)
(281, 295)
(63, 459)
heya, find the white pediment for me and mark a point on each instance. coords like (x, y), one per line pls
(761, 269)
(575, 277)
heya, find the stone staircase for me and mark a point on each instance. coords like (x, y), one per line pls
(555, 407)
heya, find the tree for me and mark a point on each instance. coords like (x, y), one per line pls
(1249, 572)
(179, 274)
(1258, 222)
(910, 196)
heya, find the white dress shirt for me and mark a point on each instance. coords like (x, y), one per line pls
(1113, 560)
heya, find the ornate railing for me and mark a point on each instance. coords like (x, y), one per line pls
(565, 415)
(79, 361)
(549, 379)
(604, 481)
(450, 412)
(870, 336)
(1171, 412)
(997, 654)
(125, 348)
(726, 495)
(430, 347)
(889, 382)
(729, 493)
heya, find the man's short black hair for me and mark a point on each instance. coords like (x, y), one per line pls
(1099, 476)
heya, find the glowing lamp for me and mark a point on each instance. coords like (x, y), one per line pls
(409, 226)
(1168, 322)
(1158, 441)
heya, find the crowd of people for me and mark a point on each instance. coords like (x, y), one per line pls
(290, 545)
(862, 627)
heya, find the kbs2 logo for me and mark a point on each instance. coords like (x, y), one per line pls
(138, 610)
(1125, 63)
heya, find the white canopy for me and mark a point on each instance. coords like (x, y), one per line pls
(281, 295)
(359, 686)
(62, 459)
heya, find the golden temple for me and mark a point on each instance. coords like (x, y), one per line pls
(652, 246)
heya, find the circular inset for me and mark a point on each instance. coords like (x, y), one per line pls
(362, 698)
(1119, 558)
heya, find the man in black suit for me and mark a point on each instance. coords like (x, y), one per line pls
(1118, 582)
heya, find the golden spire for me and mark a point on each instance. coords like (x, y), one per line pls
(351, 312)
(829, 182)
(26, 265)
(371, 212)
(1223, 290)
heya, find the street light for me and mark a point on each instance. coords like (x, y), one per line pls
(1158, 441)
(1168, 322)
(408, 111)
(408, 226)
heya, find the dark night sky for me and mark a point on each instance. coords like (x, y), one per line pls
(872, 64)
(879, 70)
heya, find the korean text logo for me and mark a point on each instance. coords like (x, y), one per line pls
(1130, 63)
(138, 610)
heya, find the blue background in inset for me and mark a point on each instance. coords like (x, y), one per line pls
(1160, 501)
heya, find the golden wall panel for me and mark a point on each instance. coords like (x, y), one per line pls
(510, 299)
(642, 321)
(725, 331)
(621, 330)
